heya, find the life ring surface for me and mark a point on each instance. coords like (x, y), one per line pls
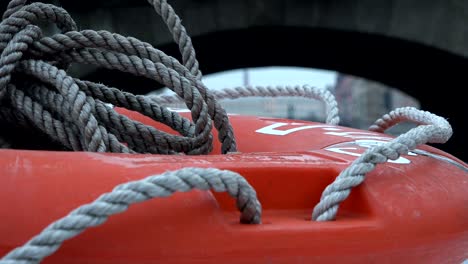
(413, 209)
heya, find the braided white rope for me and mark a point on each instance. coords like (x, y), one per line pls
(305, 91)
(433, 129)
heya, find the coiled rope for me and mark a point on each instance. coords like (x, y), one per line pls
(41, 63)
(37, 94)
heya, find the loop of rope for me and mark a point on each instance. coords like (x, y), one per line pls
(13, 52)
(416, 116)
(121, 197)
(433, 129)
(130, 46)
(30, 15)
(37, 93)
(103, 125)
(306, 91)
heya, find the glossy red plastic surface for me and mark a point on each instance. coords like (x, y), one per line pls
(412, 211)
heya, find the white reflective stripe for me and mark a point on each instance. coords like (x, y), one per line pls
(331, 129)
(343, 150)
(367, 143)
(271, 129)
(441, 158)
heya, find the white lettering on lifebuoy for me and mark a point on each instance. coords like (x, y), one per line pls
(335, 131)
(354, 148)
(271, 129)
(361, 139)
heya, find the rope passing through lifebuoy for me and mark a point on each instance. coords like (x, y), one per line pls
(37, 93)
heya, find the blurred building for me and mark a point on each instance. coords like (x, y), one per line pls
(363, 101)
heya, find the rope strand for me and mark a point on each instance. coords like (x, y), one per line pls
(100, 125)
(37, 93)
(434, 129)
(118, 200)
(305, 91)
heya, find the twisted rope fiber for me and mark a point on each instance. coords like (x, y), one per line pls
(131, 46)
(121, 122)
(146, 68)
(56, 102)
(181, 37)
(13, 6)
(66, 133)
(74, 113)
(306, 91)
(196, 138)
(13, 52)
(122, 196)
(179, 34)
(15, 124)
(36, 92)
(433, 129)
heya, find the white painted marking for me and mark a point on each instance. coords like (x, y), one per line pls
(271, 129)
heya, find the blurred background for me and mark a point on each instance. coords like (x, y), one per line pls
(374, 55)
(361, 101)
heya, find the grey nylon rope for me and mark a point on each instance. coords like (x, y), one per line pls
(36, 92)
(131, 46)
(13, 6)
(306, 91)
(432, 129)
(180, 35)
(122, 196)
(122, 54)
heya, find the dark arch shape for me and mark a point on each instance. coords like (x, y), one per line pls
(433, 76)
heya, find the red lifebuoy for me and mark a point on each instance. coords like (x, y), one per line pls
(410, 210)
